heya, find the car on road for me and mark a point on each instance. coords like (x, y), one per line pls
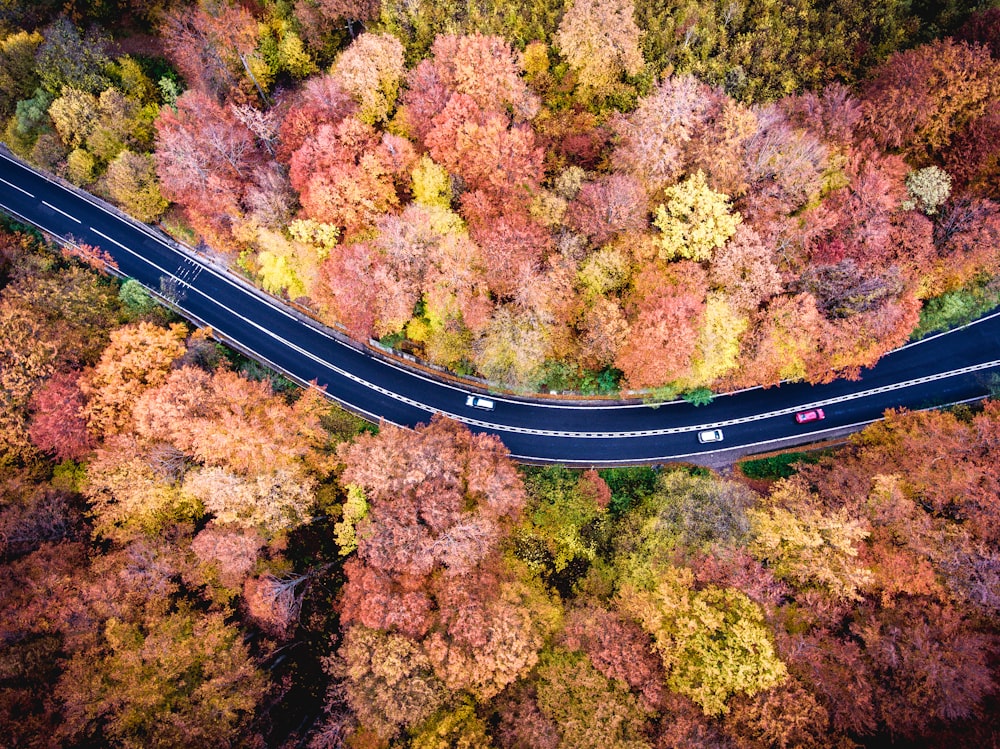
(478, 401)
(710, 435)
(814, 414)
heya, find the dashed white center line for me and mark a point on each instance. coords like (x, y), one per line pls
(59, 210)
(19, 189)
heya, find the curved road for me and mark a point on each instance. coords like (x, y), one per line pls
(946, 368)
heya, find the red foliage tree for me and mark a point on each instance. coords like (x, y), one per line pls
(919, 99)
(620, 649)
(512, 244)
(608, 207)
(665, 307)
(58, 425)
(965, 235)
(210, 44)
(205, 159)
(321, 101)
(345, 174)
(420, 517)
(425, 97)
(344, 288)
(484, 148)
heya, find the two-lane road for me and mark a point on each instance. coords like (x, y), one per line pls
(948, 368)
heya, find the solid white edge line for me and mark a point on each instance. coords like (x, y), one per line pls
(229, 282)
(414, 373)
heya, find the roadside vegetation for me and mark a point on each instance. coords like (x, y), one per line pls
(669, 197)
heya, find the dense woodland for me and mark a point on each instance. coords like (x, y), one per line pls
(196, 553)
(669, 196)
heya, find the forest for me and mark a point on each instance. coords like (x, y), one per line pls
(663, 196)
(602, 197)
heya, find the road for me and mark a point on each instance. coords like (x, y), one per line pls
(947, 368)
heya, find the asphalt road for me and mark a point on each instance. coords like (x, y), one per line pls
(946, 368)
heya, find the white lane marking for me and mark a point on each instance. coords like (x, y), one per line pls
(60, 210)
(416, 373)
(555, 433)
(21, 189)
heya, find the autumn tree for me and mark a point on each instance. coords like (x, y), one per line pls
(205, 158)
(214, 46)
(785, 716)
(370, 70)
(224, 420)
(600, 41)
(181, 678)
(611, 206)
(322, 100)
(58, 425)
(68, 58)
(665, 309)
(27, 360)
(229, 554)
(652, 139)
(694, 220)
(485, 68)
(346, 174)
(137, 358)
(590, 709)
(921, 98)
(489, 482)
(619, 649)
(269, 503)
(484, 147)
(744, 268)
(131, 181)
(807, 547)
(713, 642)
(452, 496)
(18, 76)
(128, 497)
(389, 681)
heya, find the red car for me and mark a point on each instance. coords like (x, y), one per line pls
(814, 415)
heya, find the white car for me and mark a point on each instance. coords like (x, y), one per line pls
(478, 401)
(710, 435)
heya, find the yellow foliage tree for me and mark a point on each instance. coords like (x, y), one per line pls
(431, 184)
(131, 181)
(807, 547)
(713, 642)
(718, 342)
(75, 115)
(600, 41)
(695, 220)
(370, 70)
(137, 358)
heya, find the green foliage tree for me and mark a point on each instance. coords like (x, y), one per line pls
(131, 180)
(68, 59)
(18, 76)
(563, 517)
(591, 710)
